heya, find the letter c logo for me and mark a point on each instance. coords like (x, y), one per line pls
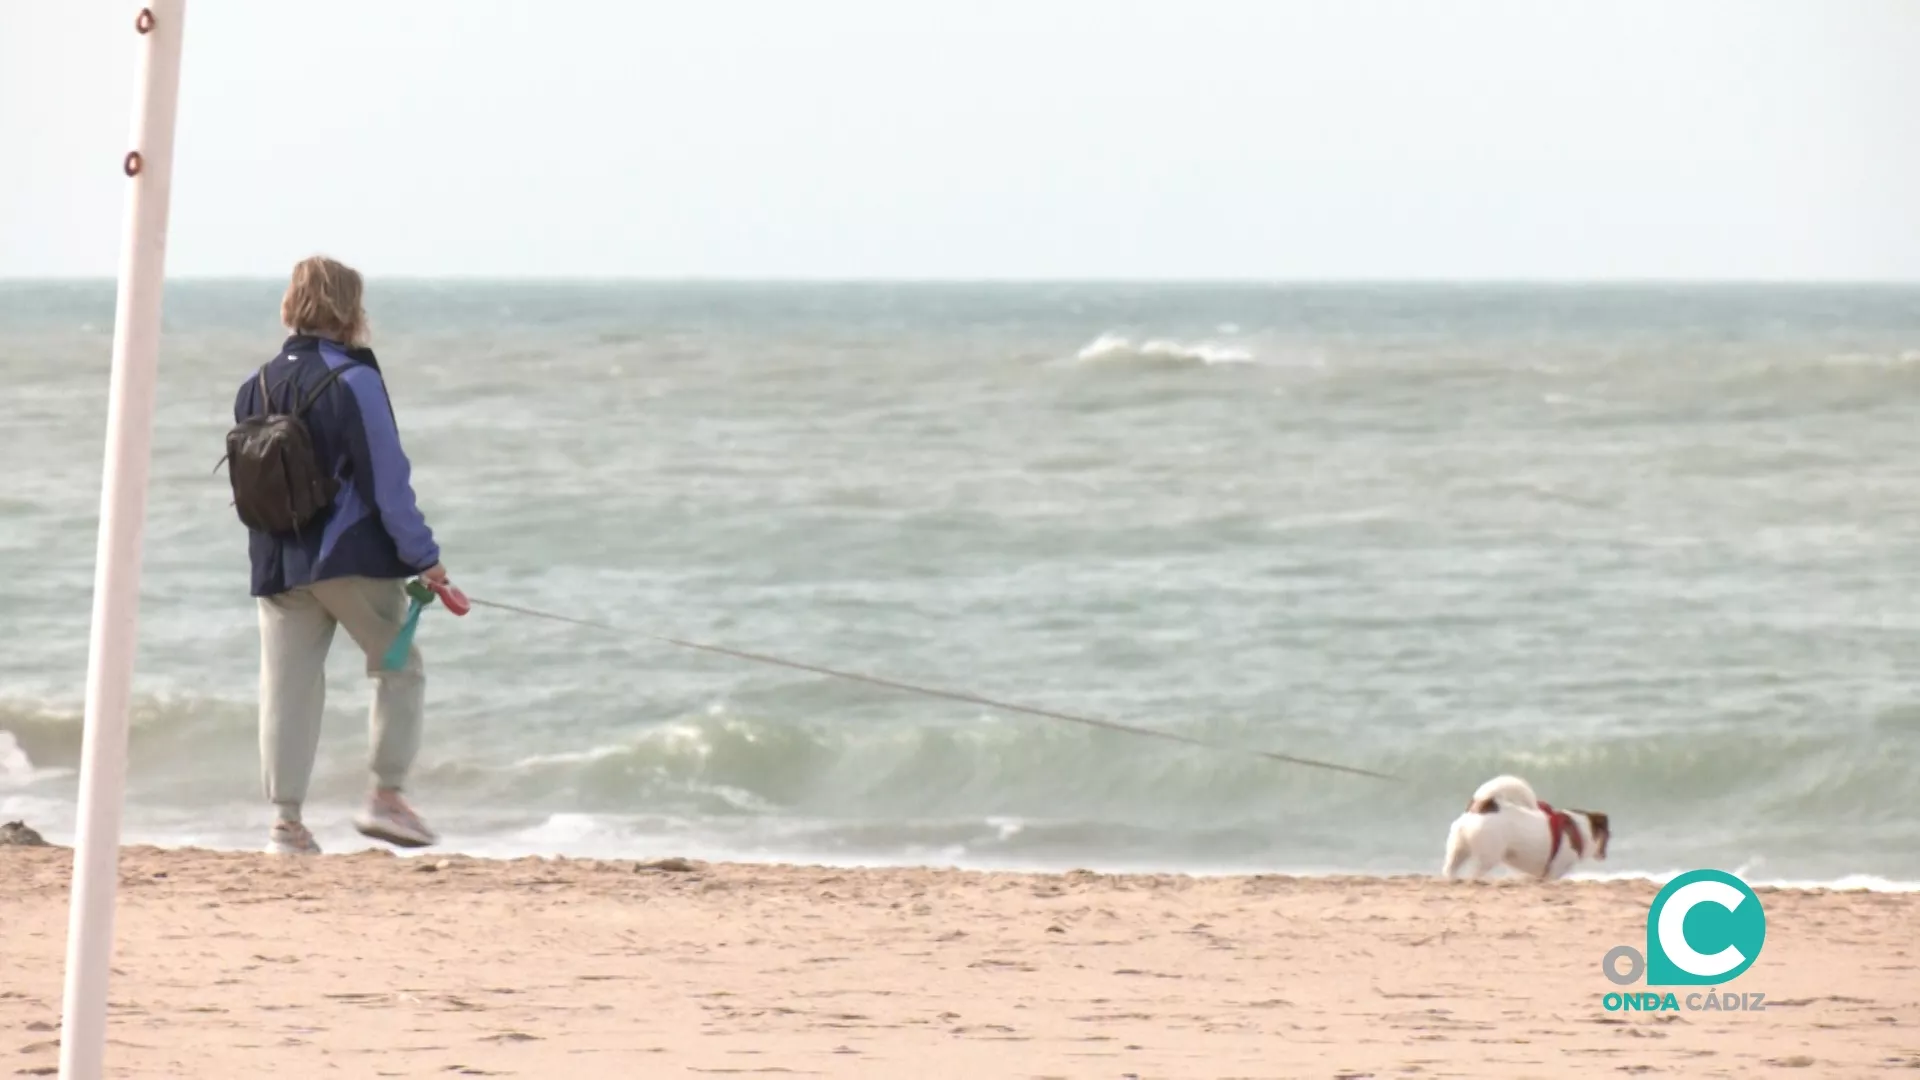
(1704, 927)
(1673, 932)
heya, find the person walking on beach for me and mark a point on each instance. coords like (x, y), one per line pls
(324, 488)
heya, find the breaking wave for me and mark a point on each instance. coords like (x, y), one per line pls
(1117, 348)
(1040, 793)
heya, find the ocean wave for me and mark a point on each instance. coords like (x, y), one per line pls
(162, 728)
(1010, 788)
(1118, 348)
(1028, 768)
(17, 770)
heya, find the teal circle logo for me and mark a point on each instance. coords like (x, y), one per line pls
(1704, 927)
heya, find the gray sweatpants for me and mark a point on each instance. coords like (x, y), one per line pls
(296, 632)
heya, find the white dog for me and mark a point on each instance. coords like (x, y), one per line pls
(1506, 824)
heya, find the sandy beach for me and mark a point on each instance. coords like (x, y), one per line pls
(233, 965)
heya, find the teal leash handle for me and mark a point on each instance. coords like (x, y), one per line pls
(421, 593)
(419, 596)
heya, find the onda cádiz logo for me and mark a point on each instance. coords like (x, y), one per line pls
(1704, 929)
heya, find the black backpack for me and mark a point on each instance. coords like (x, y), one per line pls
(279, 485)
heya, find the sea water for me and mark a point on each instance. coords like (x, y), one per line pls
(1655, 549)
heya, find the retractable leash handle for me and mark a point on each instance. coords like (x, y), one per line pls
(450, 595)
(419, 594)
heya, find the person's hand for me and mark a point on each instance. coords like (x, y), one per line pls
(436, 575)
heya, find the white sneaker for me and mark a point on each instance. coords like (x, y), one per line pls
(388, 817)
(291, 838)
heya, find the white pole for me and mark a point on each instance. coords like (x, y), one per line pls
(123, 519)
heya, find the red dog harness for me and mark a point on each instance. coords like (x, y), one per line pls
(1560, 823)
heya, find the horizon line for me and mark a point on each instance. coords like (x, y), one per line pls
(1267, 282)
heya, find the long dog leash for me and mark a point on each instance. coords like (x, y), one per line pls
(423, 593)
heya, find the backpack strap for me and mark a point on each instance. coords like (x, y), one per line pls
(313, 396)
(320, 387)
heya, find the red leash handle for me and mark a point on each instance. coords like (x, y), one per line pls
(455, 600)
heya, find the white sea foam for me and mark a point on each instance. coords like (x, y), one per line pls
(15, 766)
(1111, 347)
(1843, 883)
(17, 770)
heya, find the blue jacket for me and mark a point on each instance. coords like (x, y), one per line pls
(373, 528)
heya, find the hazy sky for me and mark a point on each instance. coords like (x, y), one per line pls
(990, 138)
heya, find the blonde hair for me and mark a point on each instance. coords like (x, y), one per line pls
(324, 299)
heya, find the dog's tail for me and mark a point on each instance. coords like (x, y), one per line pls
(1458, 852)
(1502, 791)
